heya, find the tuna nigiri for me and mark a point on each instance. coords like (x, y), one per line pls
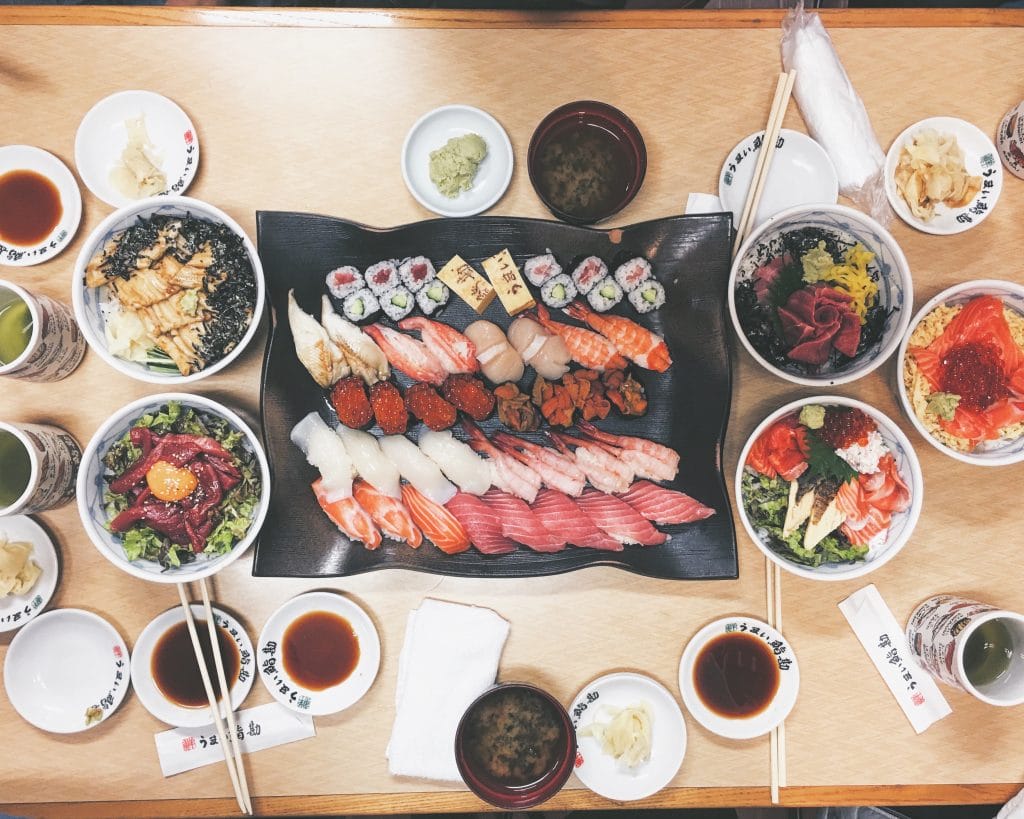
(560, 514)
(348, 516)
(389, 514)
(456, 460)
(417, 468)
(482, 524)
(519, 523)
(661, 505)
(438, 524)
(370, 463)
(325, 450)
(619, 519)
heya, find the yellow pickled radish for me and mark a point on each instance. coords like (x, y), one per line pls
(170, 483)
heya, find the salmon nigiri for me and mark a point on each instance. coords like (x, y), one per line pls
(437, 523)
(389, 514)
(348, 516)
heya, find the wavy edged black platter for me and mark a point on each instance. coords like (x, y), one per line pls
(689, 404)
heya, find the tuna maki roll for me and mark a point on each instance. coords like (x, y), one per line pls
(604, 295)
(344, 280)
(650, 295)
(433, 297)
(630, 274)
(360, 305)
(397, 302)
(588, 273)
(382, 276)
(541, 269)
(558, 291)
(416, 272)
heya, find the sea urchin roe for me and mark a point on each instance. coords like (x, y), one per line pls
(974, 371)
(844, 426)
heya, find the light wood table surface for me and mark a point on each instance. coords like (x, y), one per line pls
(307, 111)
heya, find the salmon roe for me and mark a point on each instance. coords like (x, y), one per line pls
(974, 371)
(845, 426)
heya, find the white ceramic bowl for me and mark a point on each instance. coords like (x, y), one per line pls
(895, 289)
(988, 453)
(87, 301)
(91, 486)
(16, 610)
(903, 523)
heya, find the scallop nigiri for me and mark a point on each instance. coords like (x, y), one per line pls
(326, 451)
(458, 461)
(498, 359)
(417, 468)
(370, 462)
(544, 351)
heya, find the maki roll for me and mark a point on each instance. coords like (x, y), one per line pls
(397, 302)
(558, 291)
(416, 272)
(433, 297)
(604, 295)
(541, 269)
(588, 273)
(344, 280)
(630, 274)
(360, 305)
(648, 296)
(382, 276)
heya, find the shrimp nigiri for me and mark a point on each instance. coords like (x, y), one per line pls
(437, 523)
(408, 354)
(456, 353)
(348, 516)
(636, 343)
(590, 349)
(417, 468)
(388, 513)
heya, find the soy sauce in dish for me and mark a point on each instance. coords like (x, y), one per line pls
(30, 207)
(736, 675)
(585, 170)
(320, 650)
(176, 672)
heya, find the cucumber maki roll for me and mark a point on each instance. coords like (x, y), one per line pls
(558, 291)
(397, 302)
(360, 305)
(541, 269)
(605, 295)
(630, 274)
(433, 297)
(650, 295)
(416, 272)
(588, 273)
(344, 280)
(382, 276)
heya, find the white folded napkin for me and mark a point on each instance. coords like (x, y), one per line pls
(450, 656)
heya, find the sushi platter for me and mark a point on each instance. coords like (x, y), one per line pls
(688, 255)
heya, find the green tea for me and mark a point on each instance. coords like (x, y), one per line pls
(15, 330)
(15, 468)
(988, 653)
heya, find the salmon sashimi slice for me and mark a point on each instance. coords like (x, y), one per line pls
(389, 514)
(349, 517)
(781, 450)
(560, 513)
(481, 523)
(981, 320)
(620, 520)
(661, 505)
(983, 426)
(437, 523)
(635, 342)
(519, 523)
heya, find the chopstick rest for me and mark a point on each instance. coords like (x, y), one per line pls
(266, 726)
(886, 644)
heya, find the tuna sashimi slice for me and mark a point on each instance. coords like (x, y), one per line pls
(560, 514)
(619, 519)
(661, 505)
(519, 523)
(481, 524)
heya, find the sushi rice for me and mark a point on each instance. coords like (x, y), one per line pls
(416, 272)
(605, 294)
(382, 276)
(630, 274)
(397, 302)
(432, 297)
(648, 296)
(344, 280)
(558, 291)
(541, 269)
(360, 305)
(588, 273)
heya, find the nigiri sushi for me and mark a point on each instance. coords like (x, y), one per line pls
(544, 351)
(457, 460)
(498, 359)
(437, 523)
(417, 468)
(326, 451)
(366, 359)
(321, 357)
(388, 513)
(455, 351)
(349, 517)
(369, 461)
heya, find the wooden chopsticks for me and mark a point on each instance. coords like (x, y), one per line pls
(232, 759)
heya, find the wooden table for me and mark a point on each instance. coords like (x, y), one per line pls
(307, 111)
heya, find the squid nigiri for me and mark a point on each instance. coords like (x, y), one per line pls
(458, 461)
(417, 468)
(326, 451)
(370, 462)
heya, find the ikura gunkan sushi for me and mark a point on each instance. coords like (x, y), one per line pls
(604, 295)
(648, 296)
(382, 276)
(360, 305)
(432, 297)
(397, 302)
(630, 274)
(344, 280)
(416, 273)
(588, 273)
(558, 291)
(541, 269)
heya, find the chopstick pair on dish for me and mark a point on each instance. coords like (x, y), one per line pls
(230, 743)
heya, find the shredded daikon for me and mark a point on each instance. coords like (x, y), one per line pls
(624, 733)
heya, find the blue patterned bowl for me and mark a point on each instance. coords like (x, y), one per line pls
(89, 301)
(895, 289)
(91, 487)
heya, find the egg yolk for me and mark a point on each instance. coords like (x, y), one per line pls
(170, 483)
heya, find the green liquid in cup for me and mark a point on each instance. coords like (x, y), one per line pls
(15, 330)
(15, 468)
(988, 653)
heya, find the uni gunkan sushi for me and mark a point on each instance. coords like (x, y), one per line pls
(648, 296)
(433, 297)
(632, 273)
(604, 295)
(541, 269)
(382, 276)
(344, 280)
(397, 302)
(588, 273)
(416, 272)
(360, 305)
(558, 291)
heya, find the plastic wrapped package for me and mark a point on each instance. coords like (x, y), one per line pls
(834, 112)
